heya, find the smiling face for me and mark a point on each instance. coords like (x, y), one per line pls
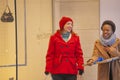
(107, 31)
(68, 26)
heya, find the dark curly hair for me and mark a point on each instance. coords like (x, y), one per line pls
(111, 23)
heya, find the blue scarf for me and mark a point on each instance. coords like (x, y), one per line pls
(66, 36)
(108, 42)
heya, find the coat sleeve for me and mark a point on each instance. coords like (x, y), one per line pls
(95, 53)
(79, 55)
(50, 55)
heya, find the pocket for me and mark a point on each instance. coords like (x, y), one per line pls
(73, 62)
(56, 62)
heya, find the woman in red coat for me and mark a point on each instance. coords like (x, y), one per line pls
(64, 57)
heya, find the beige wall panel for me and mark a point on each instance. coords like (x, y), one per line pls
(85, 13)
(90, 72)
(87, 38)
(39, 28)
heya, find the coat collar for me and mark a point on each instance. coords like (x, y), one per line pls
(58, 33)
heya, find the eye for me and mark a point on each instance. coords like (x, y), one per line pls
(69, 23)
(106, 30)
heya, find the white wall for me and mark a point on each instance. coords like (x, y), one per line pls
(110, 9)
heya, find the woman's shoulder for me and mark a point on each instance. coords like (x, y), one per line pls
(55, 35)
(74, 34)
(97, 41)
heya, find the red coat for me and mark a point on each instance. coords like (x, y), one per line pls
(64, 57)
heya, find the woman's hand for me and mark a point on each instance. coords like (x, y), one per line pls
(112, 51)
(107, 48)
(81, 72)
(90, 62)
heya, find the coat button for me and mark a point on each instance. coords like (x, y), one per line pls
(67, 46)
(61, 46)
(67, 53)
(66, 60)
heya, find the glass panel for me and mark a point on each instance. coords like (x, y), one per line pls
(7, 43)
(12, 39)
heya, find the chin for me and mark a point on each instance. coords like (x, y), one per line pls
(107, 37)
(69, 31)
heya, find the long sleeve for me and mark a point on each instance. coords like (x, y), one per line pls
(50, 55)
(96, 53)
(79, 55)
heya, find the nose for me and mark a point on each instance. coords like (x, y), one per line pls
(71, 25)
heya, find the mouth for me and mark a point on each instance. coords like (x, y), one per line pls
(106, 35)
(69, 28)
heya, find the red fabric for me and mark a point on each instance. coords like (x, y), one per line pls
(63, 21)
(64, 57)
